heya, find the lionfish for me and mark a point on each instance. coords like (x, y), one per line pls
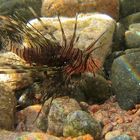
(43, 51)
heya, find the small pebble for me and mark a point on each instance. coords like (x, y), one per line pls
(112, 134)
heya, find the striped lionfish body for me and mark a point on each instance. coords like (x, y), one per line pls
(39, 55)
(45, 52)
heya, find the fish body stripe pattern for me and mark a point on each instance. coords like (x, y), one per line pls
(46, 52)
(38, 55)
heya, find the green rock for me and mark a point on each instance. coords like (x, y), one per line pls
(80, 123)
(96, 88)
(126, 79)
(122, 26)
(132, 36)
(131, 19)
(128, 7)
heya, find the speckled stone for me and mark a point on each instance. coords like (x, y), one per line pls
(96, 88)
(58, 112)
(7, 108)
(80, 123)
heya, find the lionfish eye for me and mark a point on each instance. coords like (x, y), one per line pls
(65, 62)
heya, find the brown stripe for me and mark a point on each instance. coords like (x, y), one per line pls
(77, 63)
(78, 59)
(94, 63)
(24, 53)
(75, 53)
(17, 51)
(21, 53)
(90, 66)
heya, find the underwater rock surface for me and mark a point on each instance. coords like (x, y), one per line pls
(59, 110)
(71, 7)
(128, 7)
(122, 137)
(126, 79)
(117, 123)
(79, 123)
(7, 108)
(96, 89)
(132, 36)
(16, 73)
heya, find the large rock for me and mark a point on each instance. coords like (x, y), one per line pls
(71, 7)
(58, 112)
(16, 73)
(126, 80)
(80, 123)
(25, 119)
(7, 108)
(96, 89)
(128, 7)
(89, 27)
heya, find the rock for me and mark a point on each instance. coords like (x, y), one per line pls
(109, 7)
(131, 19)
(108, 127)
(20, 8)
(96, 89)
(38, 136)
(71, 7)
(89, 27)
(27, 117)
(132, 36)
(110, 135)
(109, 61)
(84, 137)
(7, 108)
(122, 26)
(122, 137)
(15, 73)
(80, 123)
(8, 135)
(119, 40)
(128, 7)
(58, 112)
(125, 78)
